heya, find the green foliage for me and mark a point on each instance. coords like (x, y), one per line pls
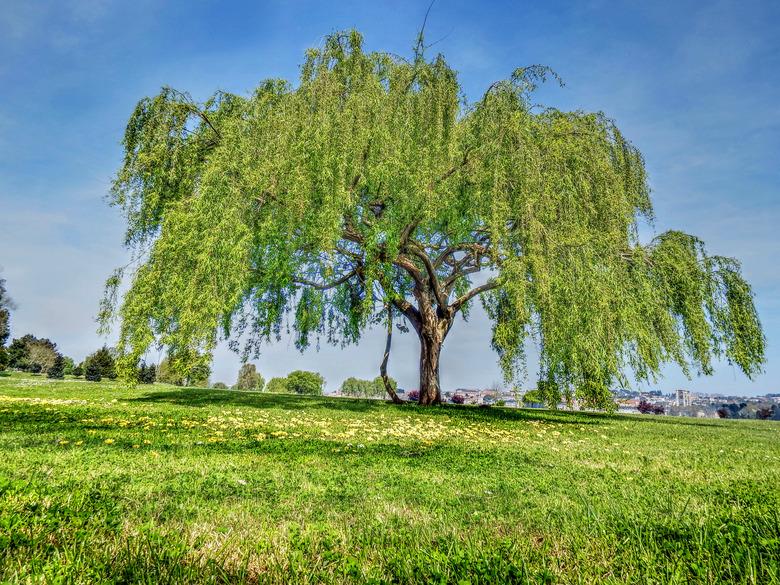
(3, 358)
(277, 385)
(358, 388)
(57, 370)
(168, 375)
(219, 386)
(249, 379)
(101, 361)
(18, 352)
(180, 369)
(78, 371)
(68, 366)
(198, 375)
(92, 371)
(372, 182)
(302, 382)
(147, 373)
(32, 354)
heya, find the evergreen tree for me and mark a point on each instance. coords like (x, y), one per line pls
(147, 373)
(18, 353)
(92, 371)
(57, 369)
(103, 361)
(78, 371)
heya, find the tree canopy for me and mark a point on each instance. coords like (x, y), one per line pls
(373, 184)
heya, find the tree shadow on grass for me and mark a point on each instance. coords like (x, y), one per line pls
(201, 397)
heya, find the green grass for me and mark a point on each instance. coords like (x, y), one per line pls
(167, 485)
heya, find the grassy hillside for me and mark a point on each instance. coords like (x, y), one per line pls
(161, 484)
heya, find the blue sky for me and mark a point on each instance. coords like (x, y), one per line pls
(696, 85)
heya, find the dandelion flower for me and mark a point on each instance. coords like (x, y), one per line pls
(109, 441)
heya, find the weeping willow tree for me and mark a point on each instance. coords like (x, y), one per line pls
(372, 191)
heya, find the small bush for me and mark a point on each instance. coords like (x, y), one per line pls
(413, 395)
(458, 399)
(219, 386)
(646, 407)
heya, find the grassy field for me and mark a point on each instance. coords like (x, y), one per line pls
(168, 485)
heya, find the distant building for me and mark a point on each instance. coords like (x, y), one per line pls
(682, 398)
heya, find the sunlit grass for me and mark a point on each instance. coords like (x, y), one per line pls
(161, 484)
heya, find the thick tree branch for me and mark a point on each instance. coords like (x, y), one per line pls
(460, 301)
(433, 279)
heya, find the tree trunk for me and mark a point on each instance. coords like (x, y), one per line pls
(431, 339)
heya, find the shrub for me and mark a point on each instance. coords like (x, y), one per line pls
(35, 368)
(764, 413)
(645, 407)
(249, 379)
(3, 358)
(458, 399)
(78, 371)
(219, 386)
(57, 369)
(302, 382)
(413, 395)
